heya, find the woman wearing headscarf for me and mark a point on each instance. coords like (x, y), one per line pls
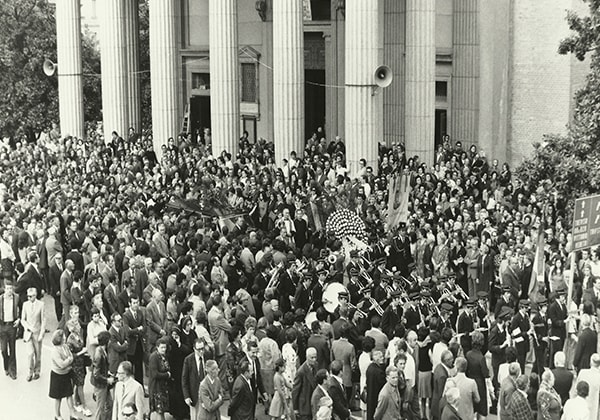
(178, 351)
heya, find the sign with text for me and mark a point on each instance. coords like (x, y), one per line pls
(586, 222)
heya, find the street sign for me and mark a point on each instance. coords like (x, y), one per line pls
(586, 222)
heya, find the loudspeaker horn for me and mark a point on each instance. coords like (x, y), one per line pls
(49, 68)
(383, 76)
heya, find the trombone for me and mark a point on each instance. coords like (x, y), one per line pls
(361, 313)
(375, 306)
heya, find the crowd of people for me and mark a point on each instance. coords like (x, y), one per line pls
(245, 298)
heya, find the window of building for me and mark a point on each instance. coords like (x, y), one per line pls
(201, 81)
(317, 10)
(441, 90)
(249, 82)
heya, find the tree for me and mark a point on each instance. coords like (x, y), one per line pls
(29, 102)
(570, 162)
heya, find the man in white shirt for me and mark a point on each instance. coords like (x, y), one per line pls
(34, 323)
(128, 391)
(577, 407)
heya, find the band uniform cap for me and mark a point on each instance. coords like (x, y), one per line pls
(482, 294)
(524, 302)
(396, 293)
(505, 313)
(542, 301)
(425, 293)
(413, 295)
(365, 289)
(343, 294)
(446, 307)
(354, 253)
(470, 302)
(506, 289)
(561, 291)
(354, 272)
(380, 261)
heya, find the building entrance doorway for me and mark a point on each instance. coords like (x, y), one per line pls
(441, 126)
(314, 100)
(199, 114)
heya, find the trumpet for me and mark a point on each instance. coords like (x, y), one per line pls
(376, 306)
(446, 293)
(361, 313)
(463, 295)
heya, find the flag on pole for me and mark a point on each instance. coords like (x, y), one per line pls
(399, 190)
(539, 261)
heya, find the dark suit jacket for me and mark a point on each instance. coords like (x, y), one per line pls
(191, 378)
(110, 299)
(117, 348)
(131, 324)
(15, 307)
(242, 405)
(54, 280)
(320, 343)
(375, 382)
(485, 272)
(563, 380)
(586, 346)
(523, 324)
(450, 413)
(156, 321)
(304, 385)
(440, 375)
(123, 301)
(557, 314)
(511, 279)
(338, 395)
(496, 339)
(31, 278)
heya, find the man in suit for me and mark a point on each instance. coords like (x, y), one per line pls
(451, 409)
(485, 269)
(100, 378)
(118, 344)
(124, 298)
(34, 323)
(110, 294)
(465, 325)
(557, 313)
(193, 372)
(469, 395)
(388, 402)
(320, 343)
(128, 391)
(587, 344)
(156, 318)
(242, 404)
(211, 393)
(375, 381)
(321, 377)
(518, 406)
(507, 387)
(304, 385)
(55, 271)
(9, 321)
(511, 278)
(219, 329)
(251, 356)
(504, 301)
(337, 391)
(134, 322)
(471, 261)
(519, 331)
(563, 378)
(66, 281)
(32, 277)
(440, 374)
(344, 352)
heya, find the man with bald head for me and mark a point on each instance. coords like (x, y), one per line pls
(305, 383)
(441, 373)
(511, 278)
(592, 377)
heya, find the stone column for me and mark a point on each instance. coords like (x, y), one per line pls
(224, 76)
(132, 36)
(70, 78)
(115, 106)
(464, 121)
(164, 70)
(363, 104)
(288, 78)
(420, 80)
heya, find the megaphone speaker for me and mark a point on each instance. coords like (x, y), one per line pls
(49, 67)
(383, 76)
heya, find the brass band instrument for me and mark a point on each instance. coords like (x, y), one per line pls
(375, 306)
(361, 313)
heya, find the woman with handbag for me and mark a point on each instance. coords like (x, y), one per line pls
(81, 360)
(61, 386)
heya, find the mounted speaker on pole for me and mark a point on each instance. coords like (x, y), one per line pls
(49, 68)
(382, 78)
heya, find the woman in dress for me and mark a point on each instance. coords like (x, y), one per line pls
(477, 369)
(80, 357)
(60, 374)
(178, 351)
(548, 400)
(288, 352)
(159, 376)
(281, 404)
(364, 360)
(425, 368)
(188, 335)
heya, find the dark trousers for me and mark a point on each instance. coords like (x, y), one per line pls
(137, 361)
(58, 309)
(8, 337)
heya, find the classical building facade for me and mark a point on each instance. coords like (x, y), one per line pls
(485, 72)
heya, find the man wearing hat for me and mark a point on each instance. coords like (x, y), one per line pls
(412, 314)
(317, 289)
(504, 301)
(392, 315)
(287, 284)
(354, 286)
(466, 325)
(400, 251)
(302, 296)
(354, 263)
(540, 329)
(557, 314)
(380, 291)
(482, 318)
(446, 321)
(379, 270)
(499, 340)
(519, 331)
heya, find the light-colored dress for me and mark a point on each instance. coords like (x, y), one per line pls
(364, 360)
(291, 361)
(282, 399)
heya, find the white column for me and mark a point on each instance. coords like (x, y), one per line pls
(364, 116)
(70, 78)
(164, 70)
(224, 76)
(115, 106)
(288, 78)
(464, 121)
(420, 80)
(132, 36)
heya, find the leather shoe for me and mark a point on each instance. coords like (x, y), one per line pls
(29, 378)
(36, 376)
(13, 375)
(7, 373)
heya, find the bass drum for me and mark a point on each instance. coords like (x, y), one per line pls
(331, 298)
(310, 318)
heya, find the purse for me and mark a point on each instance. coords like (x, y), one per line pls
(363, 395)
